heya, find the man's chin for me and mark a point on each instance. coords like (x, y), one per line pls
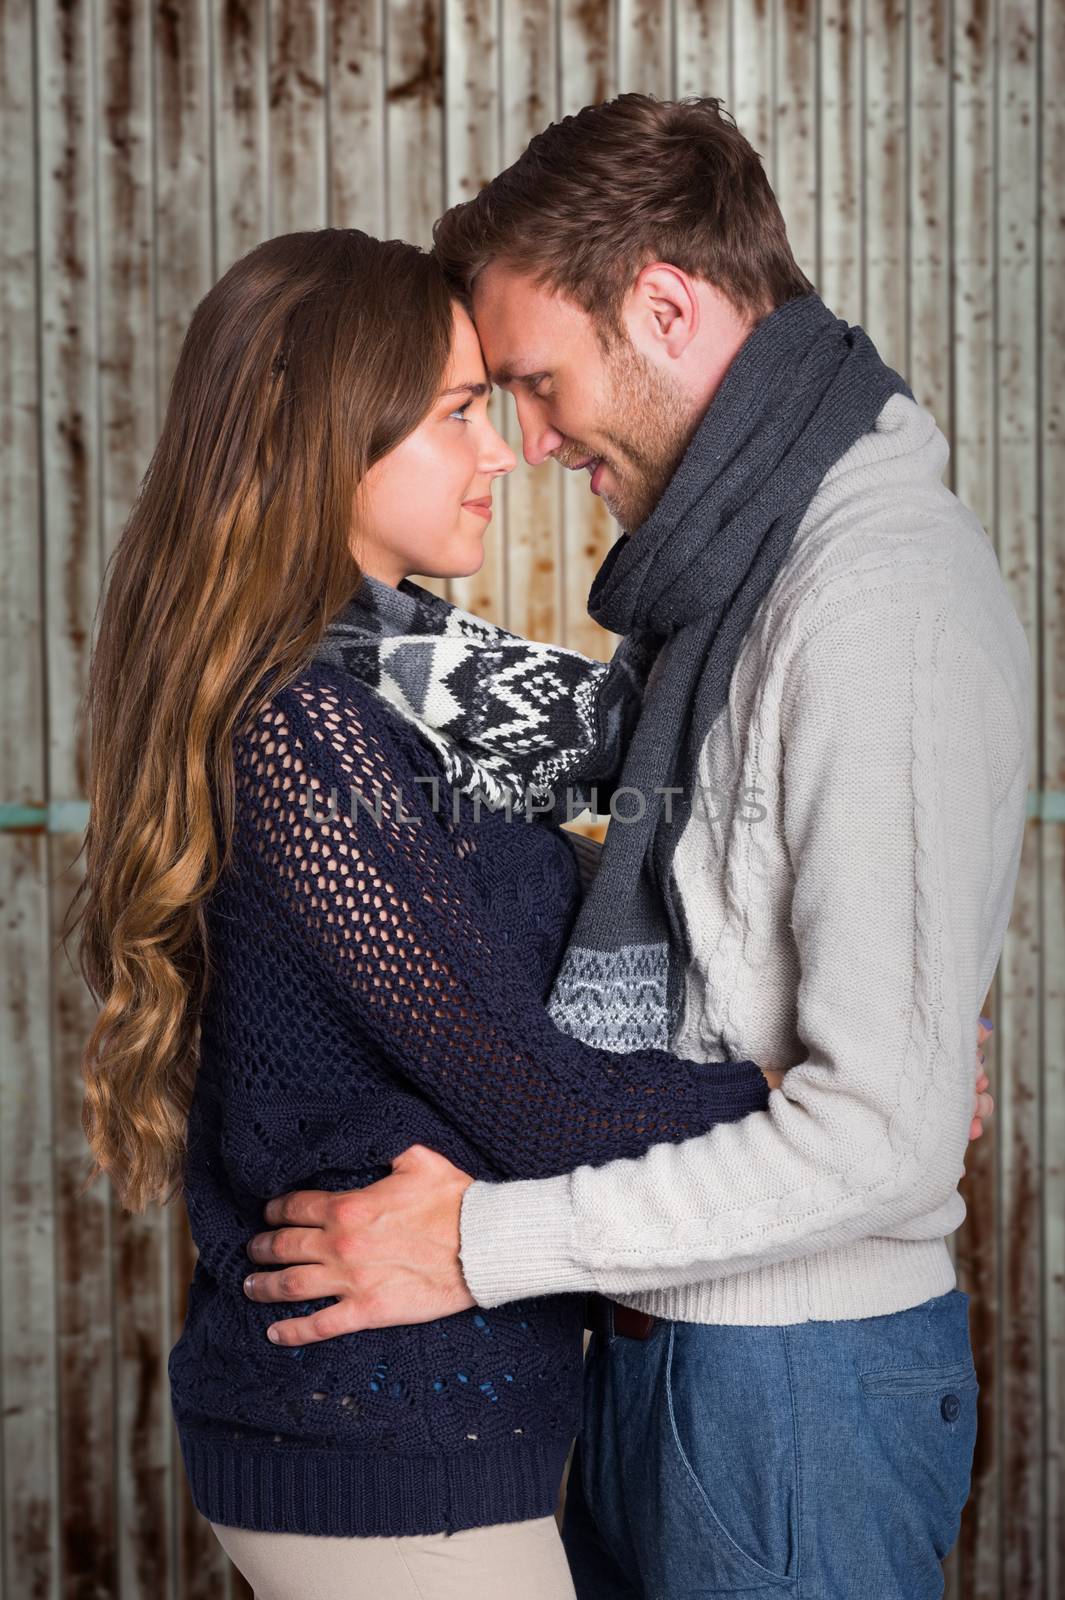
(627, 516)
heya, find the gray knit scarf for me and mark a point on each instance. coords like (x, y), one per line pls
(511, 716)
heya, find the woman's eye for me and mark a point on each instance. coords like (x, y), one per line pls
(461, 412)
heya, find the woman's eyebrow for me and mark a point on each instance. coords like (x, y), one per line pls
(468, 388)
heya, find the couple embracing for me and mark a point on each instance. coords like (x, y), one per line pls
(443, 1084)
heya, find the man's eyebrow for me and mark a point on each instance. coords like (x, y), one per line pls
(476, 389)
(507, 375)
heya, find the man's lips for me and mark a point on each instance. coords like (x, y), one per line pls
(595, 463)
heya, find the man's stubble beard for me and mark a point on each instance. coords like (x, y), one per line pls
(653, 422)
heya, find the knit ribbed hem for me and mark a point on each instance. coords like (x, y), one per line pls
(869, 1278)
(275, 1488)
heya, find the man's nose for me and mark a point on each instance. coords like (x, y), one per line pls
(538, 439)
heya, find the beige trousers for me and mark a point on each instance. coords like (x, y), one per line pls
(515, 1560)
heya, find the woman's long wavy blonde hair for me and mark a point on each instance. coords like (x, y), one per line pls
(308, 361)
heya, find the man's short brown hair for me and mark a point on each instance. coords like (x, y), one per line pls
(596, 197)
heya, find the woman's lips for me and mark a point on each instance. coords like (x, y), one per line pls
(480, 508)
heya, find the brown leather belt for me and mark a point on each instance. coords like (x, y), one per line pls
(607, 1317)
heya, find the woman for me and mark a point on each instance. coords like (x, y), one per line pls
(293, 994)
(314, 947)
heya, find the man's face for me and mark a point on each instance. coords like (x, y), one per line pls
(610, 411)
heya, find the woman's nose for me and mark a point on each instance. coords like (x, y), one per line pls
(497, 456)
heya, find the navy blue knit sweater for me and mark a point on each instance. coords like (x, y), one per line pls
(377, 980)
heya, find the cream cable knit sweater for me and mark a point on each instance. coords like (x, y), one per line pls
(847, 878)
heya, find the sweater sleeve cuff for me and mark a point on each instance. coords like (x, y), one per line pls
(743, 1087)
(516, 1241)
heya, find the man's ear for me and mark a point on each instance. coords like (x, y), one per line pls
(662, 311)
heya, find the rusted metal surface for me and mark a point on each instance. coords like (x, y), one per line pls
(794, 125)
(127, 434)
(355, 83)
(980, 1243)
(914, 146)
(297, 183)
(1020, 1352)
(1052, 459)
(840, 233)
(645, 46)
(415, 133)
(473, 153)
(29, 1468)
(241, 138)
(533, 498)
(587, 74)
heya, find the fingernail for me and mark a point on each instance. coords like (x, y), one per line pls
(987, 1023)
(248, 1282)
(273, 1335)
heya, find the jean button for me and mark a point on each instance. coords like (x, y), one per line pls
(950, 1407)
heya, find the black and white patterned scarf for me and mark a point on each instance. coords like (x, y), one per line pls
(511, 715)
(512, 720)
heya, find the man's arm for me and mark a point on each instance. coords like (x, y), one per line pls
(902, 743)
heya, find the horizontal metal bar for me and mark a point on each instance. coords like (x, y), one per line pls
(59, 816)
(1047, 804)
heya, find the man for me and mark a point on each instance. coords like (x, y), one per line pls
(780, 1396)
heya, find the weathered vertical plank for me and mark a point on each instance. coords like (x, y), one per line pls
(91, 1501)
(930, 185)
(645, 47)
(703, 34)
(297, 116)
(29, 1559)
(28, 1464)
(841, 245)
(472, 158)
(885, 310)
(1052, 405)
(240, 114)
(980, 1244)
(586, 77)
(185, 247)
(356, 115)
(752, 76)
(587, 52)
(794, 126)
(415, 135)
(533, 495)
(127, 398)
(1017, 341)
(70, 457)
(415, 118)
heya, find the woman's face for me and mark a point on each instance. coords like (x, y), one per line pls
(425, 507)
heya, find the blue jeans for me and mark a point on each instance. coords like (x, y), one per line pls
(823, 1461)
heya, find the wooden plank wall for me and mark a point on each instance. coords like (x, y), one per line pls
(915, 147)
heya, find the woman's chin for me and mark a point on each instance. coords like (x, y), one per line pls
(470, 565)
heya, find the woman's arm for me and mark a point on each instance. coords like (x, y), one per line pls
(392, 914)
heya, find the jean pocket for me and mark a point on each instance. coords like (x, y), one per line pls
(920, 1424)
(737, 1477)
(919, 1380)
